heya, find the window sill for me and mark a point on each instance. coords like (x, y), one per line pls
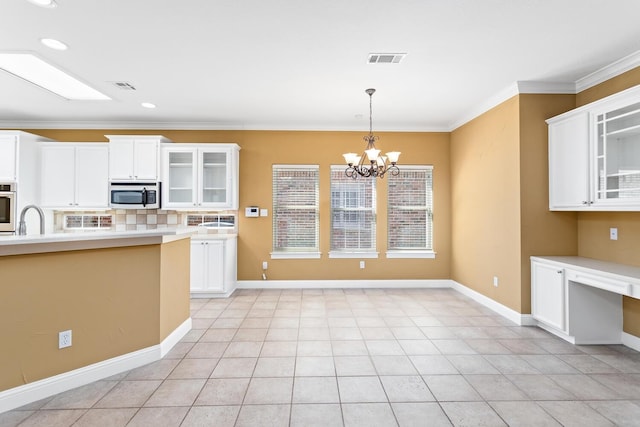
(411, 254)
(295, 255)
(353, 254)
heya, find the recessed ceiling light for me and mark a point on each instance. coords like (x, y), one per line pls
(54, 44)
(44, 3)
(148, 105)
(33, 69)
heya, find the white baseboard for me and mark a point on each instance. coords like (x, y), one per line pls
(630, 341)
(174, 337)
(344, 284)
(31, 392)
(196, 295)
(503, 310)
(514, 316)
(556, 332)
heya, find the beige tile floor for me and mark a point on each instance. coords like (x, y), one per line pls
(357, 357)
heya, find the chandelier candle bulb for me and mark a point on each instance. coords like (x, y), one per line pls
(393, 156)
(372, 154)
(350, 158)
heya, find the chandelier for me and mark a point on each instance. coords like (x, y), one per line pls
(375, 165)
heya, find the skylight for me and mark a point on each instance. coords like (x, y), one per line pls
(34, 70)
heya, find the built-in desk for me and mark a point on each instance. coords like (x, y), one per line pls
(580, 299)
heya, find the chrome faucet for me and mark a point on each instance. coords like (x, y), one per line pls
(22, 226)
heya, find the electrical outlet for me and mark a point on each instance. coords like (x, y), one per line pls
(361, 264)
(64, 339)
(265, 265)
(495, 281)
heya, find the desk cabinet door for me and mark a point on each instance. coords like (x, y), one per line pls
(548, 295)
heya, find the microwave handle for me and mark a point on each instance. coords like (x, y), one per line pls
(144, 196)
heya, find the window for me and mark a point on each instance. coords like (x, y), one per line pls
(295, 211)
(353, 215)
(410, 213)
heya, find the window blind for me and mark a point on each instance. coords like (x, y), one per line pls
(409, 209)
(353, 212)
(295, 208)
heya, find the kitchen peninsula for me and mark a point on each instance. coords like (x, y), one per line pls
(124, 296)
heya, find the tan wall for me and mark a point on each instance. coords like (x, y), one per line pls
(485, 205)
(174, 285)
(542, 232)
(261, 149)
(500, 203)
(593, 227)
(103, 296)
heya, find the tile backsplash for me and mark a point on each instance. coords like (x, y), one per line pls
(136, 219)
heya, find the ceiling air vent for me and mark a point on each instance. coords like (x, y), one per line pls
(385, 58)
(124, 85)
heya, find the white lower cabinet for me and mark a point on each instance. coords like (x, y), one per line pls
(213, 266)
(548, 295)
(580, 299)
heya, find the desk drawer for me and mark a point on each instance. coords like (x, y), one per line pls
(600, 282)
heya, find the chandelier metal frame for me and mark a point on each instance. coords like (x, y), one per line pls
(371, 163)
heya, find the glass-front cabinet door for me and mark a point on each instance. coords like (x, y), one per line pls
(200, 177)
(180, 188)
(617, 159)
(214, 178)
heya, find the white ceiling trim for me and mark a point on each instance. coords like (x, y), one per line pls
(547, 87)
(516, 88)
(612, 70)
(521, 87)
(118, 125)
(197, 126)
(482, 108)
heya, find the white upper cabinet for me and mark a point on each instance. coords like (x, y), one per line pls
(594, 155)
(75, 176)
(200, 176)
(134, 158)
(569, 162)
(8, 157)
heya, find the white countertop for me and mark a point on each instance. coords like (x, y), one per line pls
(623, 270)
(57, 242)
(205, 236)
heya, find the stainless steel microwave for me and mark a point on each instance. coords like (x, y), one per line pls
(134, 195)
(7, 207)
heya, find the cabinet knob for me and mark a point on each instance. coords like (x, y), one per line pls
(559, 271)
(584, 202)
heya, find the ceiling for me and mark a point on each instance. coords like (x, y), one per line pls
(286, 64)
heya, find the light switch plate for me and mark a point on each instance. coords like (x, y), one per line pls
(613, 233)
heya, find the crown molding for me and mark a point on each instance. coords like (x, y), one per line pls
(23, 124)
(605, 73)
(546, 87)
(514, 89)
(608, 72)
(495, 100)
(521, 87)
(202, 126)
